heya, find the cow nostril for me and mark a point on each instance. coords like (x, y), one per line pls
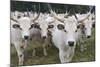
(26, 37)
(88, 36)
(71, 43)
(44, 37)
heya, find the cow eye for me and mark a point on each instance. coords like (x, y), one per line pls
(50, 26)
(78, 26)
(36, 26)
(31, 26)
(60, 26)
(16, 26)
(83, 26)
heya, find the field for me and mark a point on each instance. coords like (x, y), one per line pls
(80, 56)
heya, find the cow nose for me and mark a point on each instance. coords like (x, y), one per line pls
(88, 36)
(26, 37)
(44, 37)
(71, 43)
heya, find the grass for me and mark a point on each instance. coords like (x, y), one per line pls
(87, 55)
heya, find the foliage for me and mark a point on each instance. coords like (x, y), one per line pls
(58, 8)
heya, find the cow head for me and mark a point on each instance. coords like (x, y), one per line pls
(86, 24)
(44, 24)
(70, 26)
(24, 24)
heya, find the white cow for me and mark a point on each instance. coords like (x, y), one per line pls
(20, 34)
(85, 30)
(86, 24)
(42, 25)
(64, 36)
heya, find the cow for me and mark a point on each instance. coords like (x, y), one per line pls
(64, 35)
(42, 25)
(86, 24)
(20, 34)
(85, 31)
(64, 38)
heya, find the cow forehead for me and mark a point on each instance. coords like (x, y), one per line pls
(71, 24)
(44, 22)
(24, 19)
(49, 19)
(71, 19)
(43, 25)
(25, 22)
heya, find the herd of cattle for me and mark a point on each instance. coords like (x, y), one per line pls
(63, 30)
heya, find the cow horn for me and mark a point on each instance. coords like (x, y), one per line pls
(38, 14)
(67, 14)
(14, 19)
(54, 14)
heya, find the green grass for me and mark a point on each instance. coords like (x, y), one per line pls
(53, 58)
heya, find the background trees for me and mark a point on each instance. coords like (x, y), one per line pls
(58, 8)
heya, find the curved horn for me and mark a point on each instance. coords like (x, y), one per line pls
(38, 14)
(75, 15)
(14, 19)
(82, 19)
(54, 14)
(88, 14)
(67, 14)
(90, 7)
(27, 12)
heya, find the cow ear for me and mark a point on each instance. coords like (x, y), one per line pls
(60, 26)
(16, 26)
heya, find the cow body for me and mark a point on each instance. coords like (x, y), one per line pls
(62, 40)
(21, 28)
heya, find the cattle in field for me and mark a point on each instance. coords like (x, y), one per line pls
(20, 34)
(85, 30)
(65, 35)
(42, 25)
(65, 30)
(86, 25)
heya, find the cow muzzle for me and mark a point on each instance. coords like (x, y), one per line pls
(26, 37)
(71, 43)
